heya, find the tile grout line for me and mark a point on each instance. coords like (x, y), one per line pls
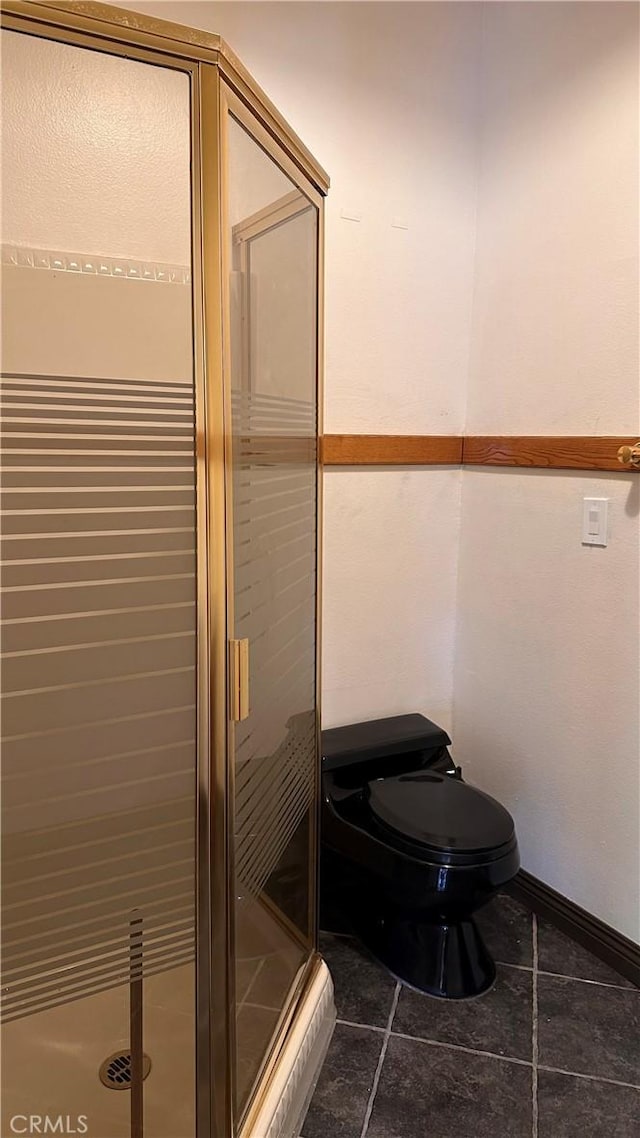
(431, 1042)
(583, 980)
(459, 1047)
(368, 1026)
(566, 976)
(534, 1029)
(486, 1054)
(593, 1078)
(383, 1052)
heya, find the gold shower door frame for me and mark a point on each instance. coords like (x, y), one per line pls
(219, 84)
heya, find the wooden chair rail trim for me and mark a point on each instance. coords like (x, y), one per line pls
(549, 452)
(391, 450)
(553, 452)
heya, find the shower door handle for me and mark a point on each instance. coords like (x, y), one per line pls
(239, 678)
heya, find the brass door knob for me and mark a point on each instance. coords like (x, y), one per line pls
(630, 455)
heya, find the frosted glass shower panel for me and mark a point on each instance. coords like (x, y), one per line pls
(274, 405)
(99, 589)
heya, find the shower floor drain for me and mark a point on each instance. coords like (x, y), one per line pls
(115, 1072)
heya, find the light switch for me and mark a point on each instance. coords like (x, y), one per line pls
(594, 521)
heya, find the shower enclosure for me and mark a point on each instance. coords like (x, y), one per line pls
(162, 264)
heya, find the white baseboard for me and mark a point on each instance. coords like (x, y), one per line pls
(287, 1099)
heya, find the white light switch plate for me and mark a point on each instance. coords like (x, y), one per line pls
(594, 521)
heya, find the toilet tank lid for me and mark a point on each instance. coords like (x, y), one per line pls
(377, 738)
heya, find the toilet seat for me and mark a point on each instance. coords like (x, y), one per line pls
(441, 815)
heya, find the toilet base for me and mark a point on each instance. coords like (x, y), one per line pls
(450, 961)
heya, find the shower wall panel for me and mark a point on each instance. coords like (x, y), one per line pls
(99, 607)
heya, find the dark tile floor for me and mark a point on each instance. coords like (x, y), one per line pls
(552, 1051)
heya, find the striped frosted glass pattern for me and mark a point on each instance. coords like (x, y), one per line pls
(98, 669)
(275, 598)
(273, 351)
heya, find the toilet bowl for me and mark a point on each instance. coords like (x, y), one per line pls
(409, 852)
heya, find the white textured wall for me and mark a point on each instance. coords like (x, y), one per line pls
(546, 699)
(555, 322)
(112, 137)
(389, 592)
(385, 96)
(547, 680)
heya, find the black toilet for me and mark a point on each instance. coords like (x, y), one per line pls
(410, 852)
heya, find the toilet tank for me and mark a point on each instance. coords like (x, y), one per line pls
(376, 748)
